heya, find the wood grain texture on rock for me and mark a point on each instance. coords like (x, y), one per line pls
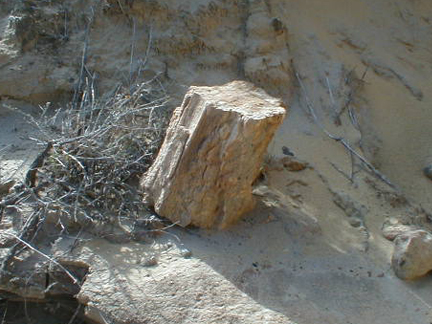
(211, 155)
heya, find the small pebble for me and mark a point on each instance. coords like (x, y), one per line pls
(355, 222)
(427, 171)
(277, 25)
(150, 261)
(186, 253)
(287, 151)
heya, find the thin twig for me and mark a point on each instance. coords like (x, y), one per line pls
(25, 233)
(341, 140)
(332, 100)
(5, 313)
(378, 174)
(147, 53)
(75, 314)
(70, 275)
(30, 177)
(83, 60)
(353, 118)
(341, 171)
(5, 148)
(65, 32)
(132, 53)
(352, 167)
(121, 7)
(103, 318)
(353, 91)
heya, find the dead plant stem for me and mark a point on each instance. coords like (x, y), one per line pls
(70, 275)
(341, 140)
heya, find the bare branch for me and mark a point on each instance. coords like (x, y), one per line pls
(341, 140)
(70, 275)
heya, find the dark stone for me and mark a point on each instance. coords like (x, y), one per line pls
(428, 171)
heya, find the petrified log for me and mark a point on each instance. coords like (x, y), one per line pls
(212, 153)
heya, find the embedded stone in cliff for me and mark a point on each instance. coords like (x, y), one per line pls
(211, 155)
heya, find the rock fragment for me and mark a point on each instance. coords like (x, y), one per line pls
(393, 227)
(293, 164)
(427, 171)
(212, 154)
(412, 256)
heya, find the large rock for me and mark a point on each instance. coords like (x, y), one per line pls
(212, 153)
(412, 256)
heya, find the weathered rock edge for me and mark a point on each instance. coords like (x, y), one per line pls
(212, 154)
(412, 256)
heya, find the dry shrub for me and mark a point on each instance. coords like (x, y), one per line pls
(95, 152)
